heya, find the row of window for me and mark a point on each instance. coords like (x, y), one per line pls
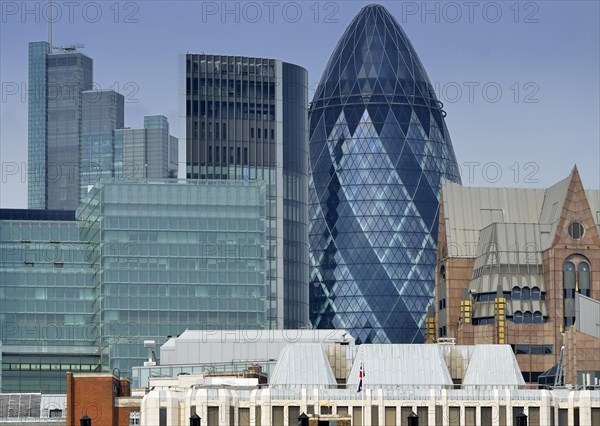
(532, 349)
(231, 110)
(528, 317)
(218, 67)
(49, 367)
(519, 318)
(237, 88)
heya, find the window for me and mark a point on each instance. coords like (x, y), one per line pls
(537, 317)
(575, 230)
(528, 317)
(162, 417)
(518, 317)
(516, 293)
(57, 413)
(535, 293)
(134, 418)
(526, 293)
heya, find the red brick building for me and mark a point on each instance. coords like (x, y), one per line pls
(104, 397)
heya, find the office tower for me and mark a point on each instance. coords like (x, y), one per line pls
(46, 300)
(81, 292)
(517, 266)
(203, 267)
(102, 111)
(148, 152)
(56, 81)
(246, 119)
(379, 147)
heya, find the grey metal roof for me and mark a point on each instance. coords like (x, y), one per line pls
(216, 346)
(302, 364)
(493, 365)
(469, 210)
(400, 365)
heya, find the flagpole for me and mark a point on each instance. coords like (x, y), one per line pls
(362, 367)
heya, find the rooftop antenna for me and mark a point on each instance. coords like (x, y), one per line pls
(50, 26)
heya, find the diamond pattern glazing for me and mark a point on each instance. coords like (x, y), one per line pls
(378, 149)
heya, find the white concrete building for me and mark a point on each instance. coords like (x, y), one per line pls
(444, 385)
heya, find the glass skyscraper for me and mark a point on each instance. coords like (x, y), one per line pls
(246, 119)
(56, 81)
(378, 149)
(103, 111)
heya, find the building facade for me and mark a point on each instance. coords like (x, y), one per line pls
(442, 385)
(512, 266)
(102, 111)
(141, 260)
(162, 269)
(379, 147)
(56, 81)
(146, 153)
(46, 300)
(246, 119)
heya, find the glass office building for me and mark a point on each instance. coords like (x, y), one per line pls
(103, 111)
(56, 80)
(140, 260)
(246, 119)
(378, 149)
(46, 300)
(170, 255)
(147, 152)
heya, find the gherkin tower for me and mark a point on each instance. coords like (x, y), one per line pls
(379, 147)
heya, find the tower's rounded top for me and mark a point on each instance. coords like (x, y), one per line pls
(373, 57)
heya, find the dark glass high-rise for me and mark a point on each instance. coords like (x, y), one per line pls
(379, 147)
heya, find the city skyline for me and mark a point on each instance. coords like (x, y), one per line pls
(525, 139)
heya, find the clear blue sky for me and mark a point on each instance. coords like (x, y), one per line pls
(544, 57)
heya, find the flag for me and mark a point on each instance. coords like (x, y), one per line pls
(361, 374)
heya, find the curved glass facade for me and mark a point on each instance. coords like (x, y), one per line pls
(379, 147)
(247, 119)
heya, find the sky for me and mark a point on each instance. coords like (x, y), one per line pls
(519, 80)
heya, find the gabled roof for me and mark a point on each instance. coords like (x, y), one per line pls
(400, 365)
(468, 211)
(303, 364)
(502, 371)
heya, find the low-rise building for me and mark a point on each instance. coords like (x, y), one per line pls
(444, 385)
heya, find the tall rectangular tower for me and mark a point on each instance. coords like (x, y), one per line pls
(56, 81)
(238, 113)
(148, 152)
(102, 114)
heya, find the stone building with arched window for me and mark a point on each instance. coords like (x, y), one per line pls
(522, 267)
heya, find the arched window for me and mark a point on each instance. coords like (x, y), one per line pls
(528, 317)
(576, 278)
(583, 272)
(537, 317)
(518, 317)
(516, 293)
(525, 293)
(535, 293)
(569, 279)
